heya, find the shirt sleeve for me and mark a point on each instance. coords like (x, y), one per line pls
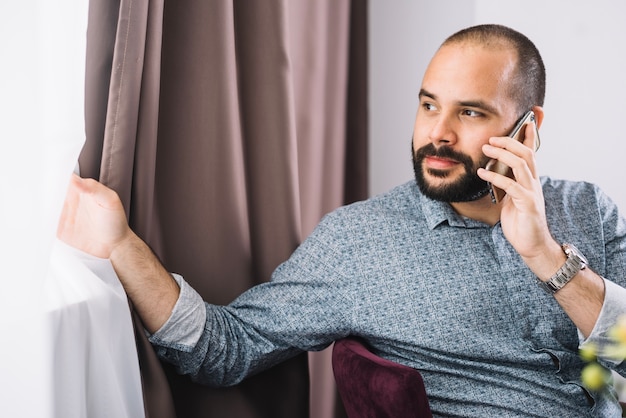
(307, 304)
(613, 308)
(186, 323)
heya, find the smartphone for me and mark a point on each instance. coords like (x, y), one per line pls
(518, 133)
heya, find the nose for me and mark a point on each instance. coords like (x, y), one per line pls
(443, 131)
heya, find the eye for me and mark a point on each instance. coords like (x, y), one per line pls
(472, 113)
(428, 106)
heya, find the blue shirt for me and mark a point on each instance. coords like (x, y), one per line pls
(428, 288)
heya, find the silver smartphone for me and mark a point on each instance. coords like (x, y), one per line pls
(518, 133)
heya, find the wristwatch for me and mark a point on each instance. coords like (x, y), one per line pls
(575, 262)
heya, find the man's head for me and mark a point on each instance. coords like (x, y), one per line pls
(528, 83)
(480, 81)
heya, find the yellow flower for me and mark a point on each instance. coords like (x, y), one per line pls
(594, 376)
(589, 352)
(618, 332)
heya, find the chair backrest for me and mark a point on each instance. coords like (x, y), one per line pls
(371, 386)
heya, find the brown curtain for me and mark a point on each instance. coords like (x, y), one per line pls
(228, 128)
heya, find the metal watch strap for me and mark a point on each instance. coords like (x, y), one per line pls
(574, 263)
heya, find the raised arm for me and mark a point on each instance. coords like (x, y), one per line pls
(93, 220)
(523, 219)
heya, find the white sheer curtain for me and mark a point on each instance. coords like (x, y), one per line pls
(41, 80)
(41, 132)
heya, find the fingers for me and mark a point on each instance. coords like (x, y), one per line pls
(97, 192)
(531, 137)
(92, 219)
(510, 152)
(519, 156)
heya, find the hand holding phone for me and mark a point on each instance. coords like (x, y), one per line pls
(518, 133)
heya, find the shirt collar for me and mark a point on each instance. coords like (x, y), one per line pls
(436, 213)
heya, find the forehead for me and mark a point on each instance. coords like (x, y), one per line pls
(464, 72)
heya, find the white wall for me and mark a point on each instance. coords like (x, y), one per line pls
(403, 35)
(582, 44)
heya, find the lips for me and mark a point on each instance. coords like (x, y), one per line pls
(440, 163)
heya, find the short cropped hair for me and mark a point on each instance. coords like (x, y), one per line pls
(528, 87)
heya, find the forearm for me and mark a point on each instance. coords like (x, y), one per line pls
(148, 284)
(582, 298)
(93, 220)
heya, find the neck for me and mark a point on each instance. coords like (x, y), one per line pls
(482, 210)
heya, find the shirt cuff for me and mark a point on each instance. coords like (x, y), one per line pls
(613, 308)
(186, 323)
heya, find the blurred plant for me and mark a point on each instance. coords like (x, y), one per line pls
(594, 376)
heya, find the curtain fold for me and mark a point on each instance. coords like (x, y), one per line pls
(224, 126)
(121, 116)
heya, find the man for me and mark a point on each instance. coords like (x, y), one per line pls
(432, 274)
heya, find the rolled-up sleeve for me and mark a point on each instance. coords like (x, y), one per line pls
(186, 323)
(613, 308)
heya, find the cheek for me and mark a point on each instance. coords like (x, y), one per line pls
(472, 141)
(479, 158)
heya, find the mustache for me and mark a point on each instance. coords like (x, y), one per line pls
(430, 150)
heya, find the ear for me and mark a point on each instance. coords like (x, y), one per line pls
(538, 115)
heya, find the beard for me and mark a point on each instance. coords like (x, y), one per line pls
(467, 188)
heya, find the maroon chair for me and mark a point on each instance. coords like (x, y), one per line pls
(371, 386)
